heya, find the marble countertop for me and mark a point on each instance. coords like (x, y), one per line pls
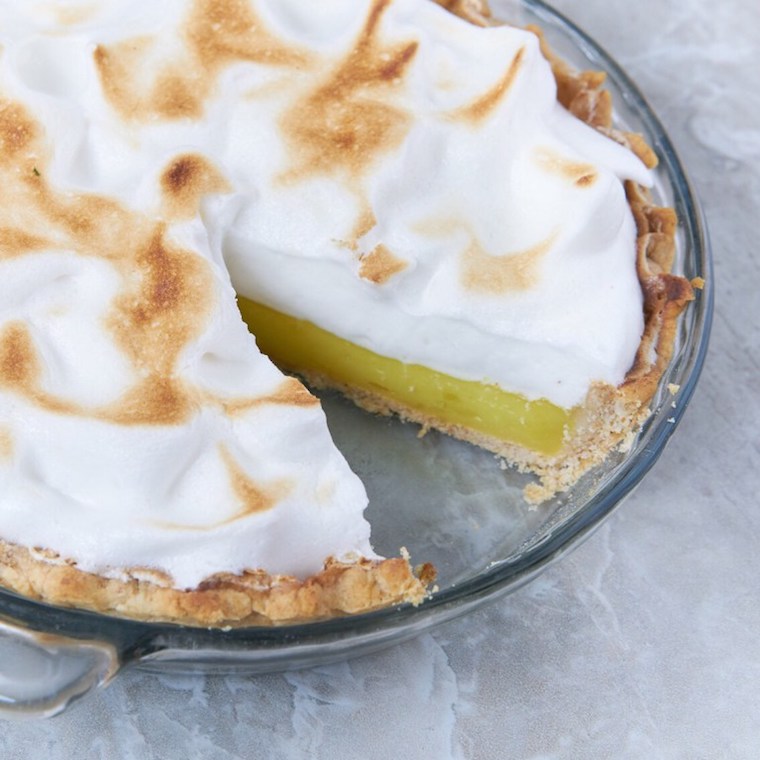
(643, 642)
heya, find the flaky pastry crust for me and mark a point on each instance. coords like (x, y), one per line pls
(250, 598)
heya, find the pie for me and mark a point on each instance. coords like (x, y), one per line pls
(412, 204)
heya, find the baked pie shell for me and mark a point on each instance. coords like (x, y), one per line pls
(609, 418)
(249, 598)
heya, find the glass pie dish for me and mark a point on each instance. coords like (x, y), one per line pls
(445, 501)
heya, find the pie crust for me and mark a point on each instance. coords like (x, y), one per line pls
(251, 598)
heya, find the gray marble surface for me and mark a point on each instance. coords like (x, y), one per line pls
(641, 644)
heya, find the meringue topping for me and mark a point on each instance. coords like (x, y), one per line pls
(379, 168)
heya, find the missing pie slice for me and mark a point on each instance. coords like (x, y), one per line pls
(421, 208)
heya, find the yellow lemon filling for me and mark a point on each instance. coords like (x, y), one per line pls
(302, 346)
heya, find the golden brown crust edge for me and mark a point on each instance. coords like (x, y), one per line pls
(251, 598)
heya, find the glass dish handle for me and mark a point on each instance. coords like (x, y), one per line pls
(41, 673)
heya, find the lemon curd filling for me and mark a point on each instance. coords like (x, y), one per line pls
(302, 346)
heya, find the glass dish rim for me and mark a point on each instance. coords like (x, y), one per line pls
(138, 640)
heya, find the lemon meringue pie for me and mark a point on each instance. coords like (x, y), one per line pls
(419, 207)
